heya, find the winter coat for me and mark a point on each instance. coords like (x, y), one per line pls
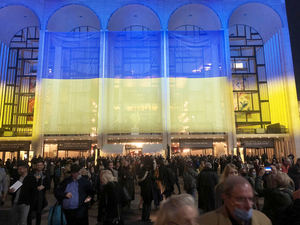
(84, 189)
(206, 182)
(126, 179)
(190, 179)
(40, 200)
(112, 199)
(276, 203)
(294, 173)
(146, 180)
(221, 217)
(27, 191)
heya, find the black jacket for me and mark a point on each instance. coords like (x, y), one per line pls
(40, 200)
(206, 182)
(27, 191)
(112, 197)
(84, 188)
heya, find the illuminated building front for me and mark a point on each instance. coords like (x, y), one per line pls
(201, 77)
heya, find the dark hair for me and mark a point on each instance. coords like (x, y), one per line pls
(22, 164)
(75, 168)
(39, 160)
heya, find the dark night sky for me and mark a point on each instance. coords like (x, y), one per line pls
(293, 12)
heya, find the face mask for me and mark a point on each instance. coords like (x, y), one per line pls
(242, 214)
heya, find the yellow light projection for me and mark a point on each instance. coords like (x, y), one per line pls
(278, 105)
(133, 105)
(70, 106)
(198, 104)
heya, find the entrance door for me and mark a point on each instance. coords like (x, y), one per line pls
(73, 153)
(17, 154)
(260, 151)
(206, 151)
(9, 155)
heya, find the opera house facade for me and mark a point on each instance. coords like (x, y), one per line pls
(80, 78)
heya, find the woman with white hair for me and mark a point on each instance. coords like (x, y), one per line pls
(178, 210)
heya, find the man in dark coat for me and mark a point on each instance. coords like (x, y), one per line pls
(22, 197)
(40, 200)
(145, 179)
(75, 192)
(206, 182)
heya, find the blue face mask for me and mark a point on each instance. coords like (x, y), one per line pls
(242, 214)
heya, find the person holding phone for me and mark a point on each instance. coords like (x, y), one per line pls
(75, 193)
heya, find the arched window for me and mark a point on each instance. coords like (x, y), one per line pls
(85, 29)
(250, 90)
(136, 28)
(21, 81)
(188, 27)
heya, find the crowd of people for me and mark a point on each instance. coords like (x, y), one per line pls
(228, 190)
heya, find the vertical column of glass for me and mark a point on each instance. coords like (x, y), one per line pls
(231, 129)
(37, 130)
(101, 135)
(166, 135)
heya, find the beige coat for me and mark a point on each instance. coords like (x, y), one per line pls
(220, 217)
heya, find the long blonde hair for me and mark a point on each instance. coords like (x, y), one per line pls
(226, 172)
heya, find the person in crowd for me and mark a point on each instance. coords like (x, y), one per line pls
(126, 179)
(75, 192)
(4, 179)
(229, 170)
(110, 167)
(286, 164)
(292, 216)
(251, 176)
(178, 210)
(167, 178)
(112, 198)
(237, 209)
(201, 166)
(145, 180)
(40, 201)
(57, 174)
(294, 173)
(206, 183)
(157, 186)
(99, 190)
(190, 179)
(175, 168)
(278, 195)
(23, 197)
(51, 172)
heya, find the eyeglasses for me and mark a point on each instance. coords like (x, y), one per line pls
(242, 200)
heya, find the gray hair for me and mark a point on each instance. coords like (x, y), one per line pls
(233, 181)
(208, 165)
(169, 208)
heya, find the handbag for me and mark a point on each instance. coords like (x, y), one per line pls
(56, 215)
